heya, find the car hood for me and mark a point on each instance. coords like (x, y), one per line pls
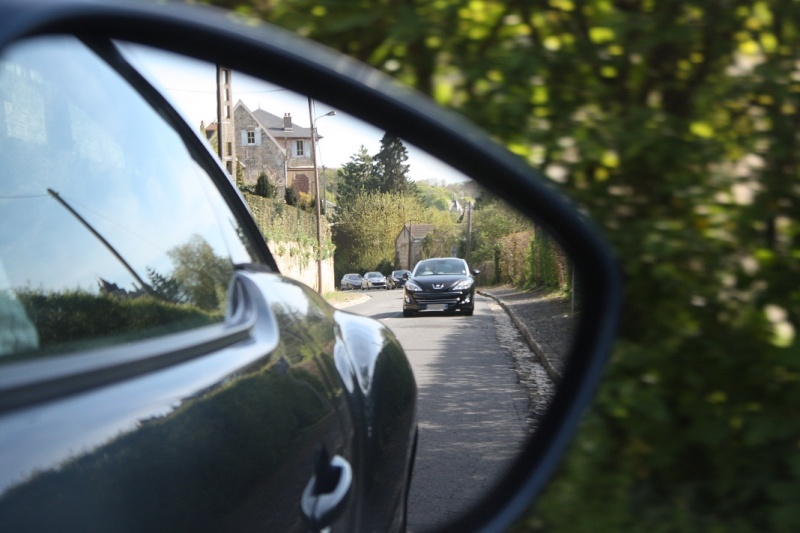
(428, 282)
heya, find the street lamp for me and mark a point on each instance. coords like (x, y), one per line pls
(316, 185)
(320, 194)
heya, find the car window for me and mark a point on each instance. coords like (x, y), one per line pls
(440, 267)
(111, 230)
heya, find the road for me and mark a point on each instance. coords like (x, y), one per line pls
(474, 414)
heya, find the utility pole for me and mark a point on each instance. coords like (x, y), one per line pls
(317, 188)
(225, 121)
(410, 244)
(468, 252)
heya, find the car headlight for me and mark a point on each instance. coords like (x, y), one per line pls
(413, 287)
(464, 284)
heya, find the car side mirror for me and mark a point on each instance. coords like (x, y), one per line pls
(285, 60)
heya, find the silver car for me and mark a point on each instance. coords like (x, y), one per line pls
(374, 280)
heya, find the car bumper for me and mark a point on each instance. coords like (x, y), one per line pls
(438, 301)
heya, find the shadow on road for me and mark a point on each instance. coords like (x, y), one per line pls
(472, 414)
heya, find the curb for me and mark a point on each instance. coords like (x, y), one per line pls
(348, 303)
(535, 347)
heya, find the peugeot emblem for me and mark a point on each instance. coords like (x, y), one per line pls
(438, 285)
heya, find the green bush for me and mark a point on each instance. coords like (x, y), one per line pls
(290, 197)
(265, 188)
(79, 319)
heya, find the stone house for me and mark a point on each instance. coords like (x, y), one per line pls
(296, 143)
(408, 245)
(263, 142)
(257, 151)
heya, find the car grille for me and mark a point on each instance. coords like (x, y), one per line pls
(438, 298)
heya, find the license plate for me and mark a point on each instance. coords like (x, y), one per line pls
(436, 307)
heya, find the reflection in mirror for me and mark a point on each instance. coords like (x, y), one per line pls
(111, 231)
(486, 370)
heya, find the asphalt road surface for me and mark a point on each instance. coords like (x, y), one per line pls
(474, 413)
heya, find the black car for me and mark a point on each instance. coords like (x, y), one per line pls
(397, 278)
(440, 284)
(350, 282)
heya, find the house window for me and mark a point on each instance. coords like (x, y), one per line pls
(251, 137)
(229, 148)
(299, 148)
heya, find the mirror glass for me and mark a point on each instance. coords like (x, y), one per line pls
(105, 230)
(487, 367)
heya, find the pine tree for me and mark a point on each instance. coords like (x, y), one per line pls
(390, 165)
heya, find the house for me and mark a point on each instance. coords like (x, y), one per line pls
(408, 245)
(296, 142)
(257, 151)
(272, 145)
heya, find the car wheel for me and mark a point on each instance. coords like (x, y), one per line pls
(409, 312)
(469, 311)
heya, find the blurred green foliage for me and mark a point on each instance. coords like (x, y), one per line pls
(674, 124)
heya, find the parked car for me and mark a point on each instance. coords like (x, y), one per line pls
(440, 284)
(373, 280)
(165, 376)
(397, 278)
(351, 281)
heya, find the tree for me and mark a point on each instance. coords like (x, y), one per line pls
(390, 166)
(200, 276)
(290, 196)
(264, 187)
(355, 177)
(492, 221)
(366, 229)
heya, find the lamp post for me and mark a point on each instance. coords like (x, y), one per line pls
(316, 187)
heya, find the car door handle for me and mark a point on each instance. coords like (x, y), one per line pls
(326, 493)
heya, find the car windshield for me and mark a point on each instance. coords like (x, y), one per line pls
(374, 275)
(436, 267)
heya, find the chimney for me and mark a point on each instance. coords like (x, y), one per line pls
(287, 122)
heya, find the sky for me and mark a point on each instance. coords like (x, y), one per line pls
(191, 86)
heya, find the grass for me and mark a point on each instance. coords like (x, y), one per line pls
(340, 297)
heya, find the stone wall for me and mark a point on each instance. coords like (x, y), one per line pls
(298, 267)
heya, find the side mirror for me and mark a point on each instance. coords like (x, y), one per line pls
(286, 61)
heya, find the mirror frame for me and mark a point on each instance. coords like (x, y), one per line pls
(336, 80)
